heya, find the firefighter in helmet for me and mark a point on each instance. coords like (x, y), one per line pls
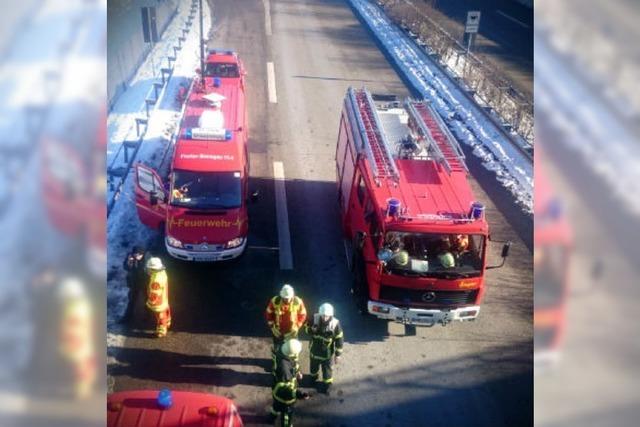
(158, 295)
(285, 316)
(77, 336)
(285, 392)
(327, 339)
(134, 265)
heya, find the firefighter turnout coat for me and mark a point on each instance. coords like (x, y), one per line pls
(285, 319)
(327, 338)
(158, 292)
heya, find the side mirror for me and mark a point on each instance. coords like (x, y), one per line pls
(504, 255)
(505, 250)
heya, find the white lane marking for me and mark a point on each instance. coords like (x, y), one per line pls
(271, 83)
(267, 17)
(512, 19)
(282, 216)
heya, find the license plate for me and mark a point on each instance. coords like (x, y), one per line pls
(205, 258)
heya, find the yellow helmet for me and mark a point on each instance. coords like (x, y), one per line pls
(291, 347)
(447, 260)
(401, 258)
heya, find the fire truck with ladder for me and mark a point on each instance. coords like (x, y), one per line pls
(202, 208)
(416, 237)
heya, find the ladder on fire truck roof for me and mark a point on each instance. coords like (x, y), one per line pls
(374, 142)
(446, 148)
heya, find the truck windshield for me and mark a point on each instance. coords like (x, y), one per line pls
(206, 190)
(221, 69)
(549, 273)
(448, 256)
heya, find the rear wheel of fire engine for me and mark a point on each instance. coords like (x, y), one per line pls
(360, 290)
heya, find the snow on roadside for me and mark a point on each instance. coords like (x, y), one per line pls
(124, 229)
(512, 168)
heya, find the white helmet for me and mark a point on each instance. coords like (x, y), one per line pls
(287, 291)
(71, 287)
(291, 347)
(326, 309)
(154, 263)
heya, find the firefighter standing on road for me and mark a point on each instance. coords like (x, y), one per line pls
(134, 266)
(285, 316)
(158, 295)
(326, 344)
(285, 392)
(77, 336)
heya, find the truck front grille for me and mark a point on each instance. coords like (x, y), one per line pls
(425, 297)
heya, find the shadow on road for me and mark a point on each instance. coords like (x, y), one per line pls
(178, 368)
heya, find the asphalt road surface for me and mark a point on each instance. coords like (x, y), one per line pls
(477, 373)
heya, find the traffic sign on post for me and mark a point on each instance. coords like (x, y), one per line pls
(471, 27)
(473, 21)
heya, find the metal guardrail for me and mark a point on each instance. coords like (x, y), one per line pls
(120, 170)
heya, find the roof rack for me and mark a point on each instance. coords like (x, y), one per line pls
(373, 140)
(445, 147)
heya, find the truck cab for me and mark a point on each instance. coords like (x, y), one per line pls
(418, 236)
(202, 204)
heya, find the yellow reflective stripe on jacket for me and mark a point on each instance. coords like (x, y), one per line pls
(296, 306)
(290, 385)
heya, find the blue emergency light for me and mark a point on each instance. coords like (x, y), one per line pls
(165, 400)
(477, 210)
(393, 206)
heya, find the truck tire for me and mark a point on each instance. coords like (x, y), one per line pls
(360, 288)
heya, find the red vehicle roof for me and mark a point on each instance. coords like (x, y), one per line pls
(141, 409)
(425, 188)
(213, 155)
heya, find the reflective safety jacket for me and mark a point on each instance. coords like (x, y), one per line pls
(76, 341)
(286, 391)
(285, 367)
(158, 291)
(327, 338)
(285, 318)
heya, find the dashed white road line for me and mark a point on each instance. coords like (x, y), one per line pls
(282, 218)
(271, 83)
(267, 17)
(512, 19)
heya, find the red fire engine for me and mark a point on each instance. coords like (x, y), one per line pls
(164, 408)
(417, 236)
(553, 244)
(203, 208)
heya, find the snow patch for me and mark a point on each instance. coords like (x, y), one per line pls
(513, 169)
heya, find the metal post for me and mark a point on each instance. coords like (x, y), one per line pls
(201, 44)
(469, 43)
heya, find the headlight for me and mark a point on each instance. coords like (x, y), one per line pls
(174, 242)
(234, 243)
